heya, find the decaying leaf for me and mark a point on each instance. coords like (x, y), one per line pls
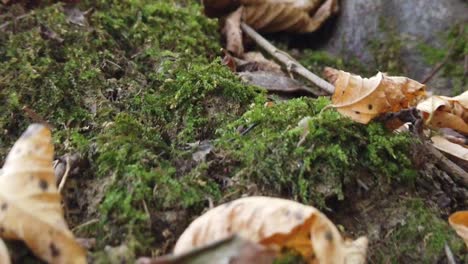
(459, 222)
(363, 99)
(4, 256)
(449, 112)
(278, 15)
(233, 32)
(262, 63)
(233, 250)
(277, 224)
(275, 82)
(30, 208)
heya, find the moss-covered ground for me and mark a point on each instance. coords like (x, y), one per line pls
(141, 80)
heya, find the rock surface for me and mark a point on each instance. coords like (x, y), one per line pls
(361, 22)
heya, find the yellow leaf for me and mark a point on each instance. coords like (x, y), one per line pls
(363, 99)
(459, 222)
(275, 223)
(449, 112)
(30, 207)
(4, 256)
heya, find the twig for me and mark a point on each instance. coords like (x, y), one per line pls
(447, 165)
(439, 65)
(449, 254)
(291, 64)
(65, 175)
(87, 223)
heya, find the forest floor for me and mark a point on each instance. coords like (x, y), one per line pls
(161, 129)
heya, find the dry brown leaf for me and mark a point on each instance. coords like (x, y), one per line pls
(4, 256)
(233, 32)
(30, 208)
(287, 15)
(275, 223)
(459, 222)
(277, 15)
(363, 99)
(262, 63)
(449, 112)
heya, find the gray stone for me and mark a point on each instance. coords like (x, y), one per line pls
(414, 21)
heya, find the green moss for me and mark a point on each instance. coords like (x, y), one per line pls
(127, 92)
(421, 236)
(313, 163)
(452, 55)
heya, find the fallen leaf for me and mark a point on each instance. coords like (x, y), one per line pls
(363, 99)
(446, 112)
(277, 224)
(233, 32)
(233, 250)
(4, 256)
(262, 63)
(458, 151)
(30, 208)
(459, 222)
(278, 15)
(275, 82)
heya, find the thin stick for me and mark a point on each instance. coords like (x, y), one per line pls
(65, 175)
(439, 65)
(291, 64)
(449, 254)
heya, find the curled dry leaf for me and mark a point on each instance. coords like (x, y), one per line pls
(30, 207)
(277, 15)
(448, 112)
(4, 256)
(459, 222)
(277, 224)
(233, 32)
(363, 99)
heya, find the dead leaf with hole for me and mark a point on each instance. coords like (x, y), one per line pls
(459, 222)
(276, 224)
(446, 112)
(30, 208)
(363, 99)
(4, 256)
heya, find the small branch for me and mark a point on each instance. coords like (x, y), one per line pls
(65, 175)
(447, 165)
(291, 64)
(4, 25)
(449, 254)
(439, 65)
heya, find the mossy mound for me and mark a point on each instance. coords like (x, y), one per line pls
(131, 89)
